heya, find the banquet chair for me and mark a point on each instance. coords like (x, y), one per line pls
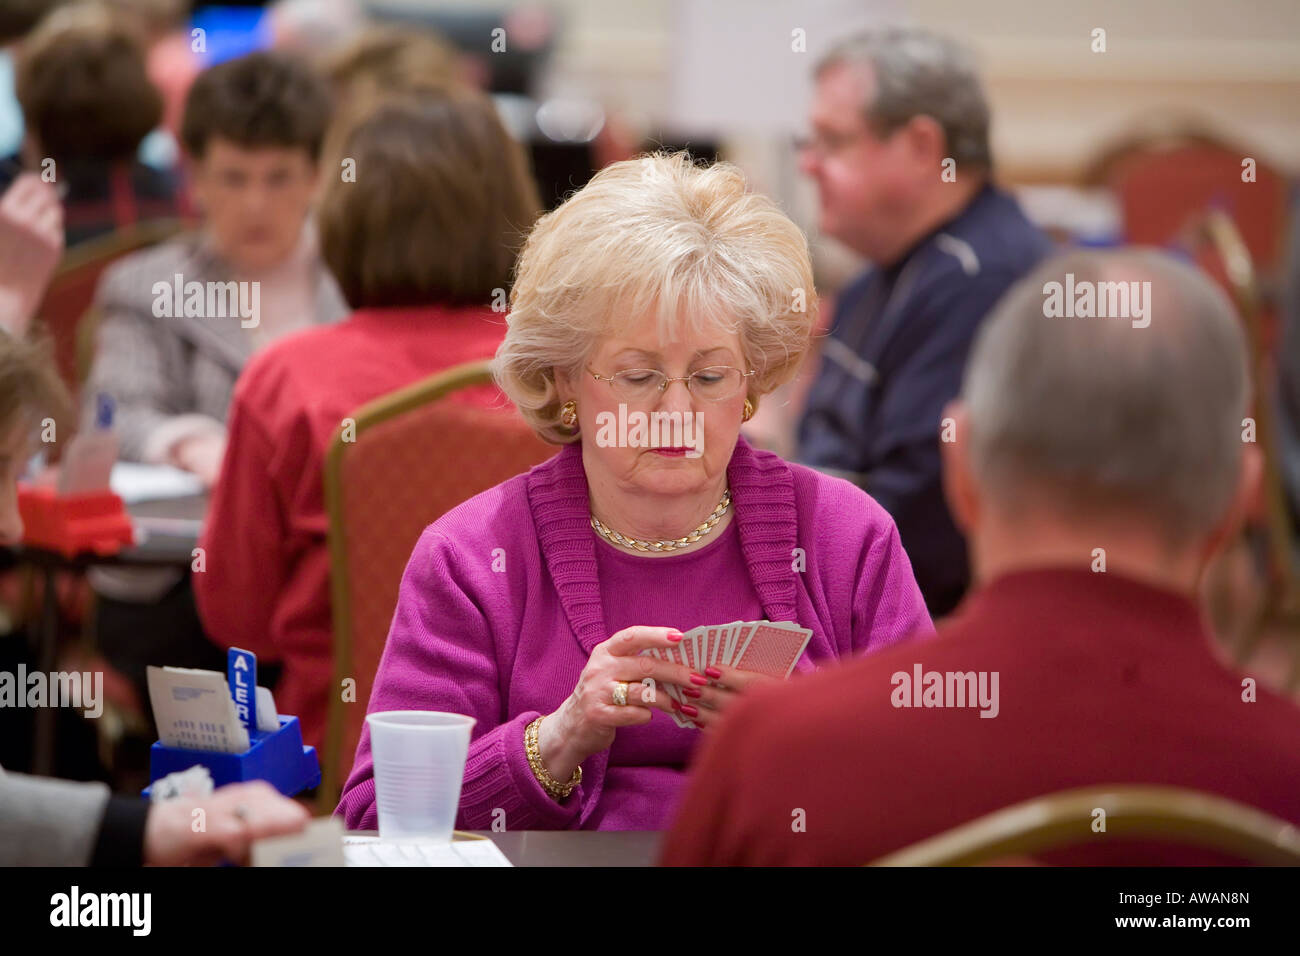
(1149, 813)
(1172, 172)
(1218, 247)
(411, 456)
(72, 289)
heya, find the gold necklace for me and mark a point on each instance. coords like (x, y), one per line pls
(666, 544)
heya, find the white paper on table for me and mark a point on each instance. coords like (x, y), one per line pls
(375, 851)
(134, 482)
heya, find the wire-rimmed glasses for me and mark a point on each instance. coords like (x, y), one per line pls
(716, 383)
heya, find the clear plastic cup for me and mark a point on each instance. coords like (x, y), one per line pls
(419, 760)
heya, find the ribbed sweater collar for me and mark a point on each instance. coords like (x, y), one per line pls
(762, 494)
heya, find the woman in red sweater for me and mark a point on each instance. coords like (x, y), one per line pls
(420, 227)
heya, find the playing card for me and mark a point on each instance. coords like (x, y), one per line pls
(713, 635)
(673, 690)
(681, 651)
(693, 638)
(772, 649)
(746, 630)
(733, 633)
(673, 655)
(662, 654)
(742, 639)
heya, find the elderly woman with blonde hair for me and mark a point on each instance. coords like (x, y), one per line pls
(662, 289)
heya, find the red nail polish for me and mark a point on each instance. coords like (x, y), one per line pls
(675, 636)
(676, 706)
(691, 692)
(697, 679)
(690, 711)
(713, 672)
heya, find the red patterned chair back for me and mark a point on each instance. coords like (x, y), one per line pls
(1166, 181)
(413, 456)
(72, 289)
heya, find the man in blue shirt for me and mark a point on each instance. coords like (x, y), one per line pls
(899, 151)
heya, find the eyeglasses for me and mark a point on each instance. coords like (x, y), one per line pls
(826, 144)
(717, 383)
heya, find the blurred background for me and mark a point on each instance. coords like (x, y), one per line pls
(586, 81)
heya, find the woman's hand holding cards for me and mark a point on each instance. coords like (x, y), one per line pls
(732, 655)
(692, 677)
(589, 717)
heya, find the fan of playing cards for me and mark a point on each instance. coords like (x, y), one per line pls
(768, 647)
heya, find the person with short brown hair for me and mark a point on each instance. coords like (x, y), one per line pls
(422, 240)
(439, 159)
(262, 99)
(252, 131)
(88, 104)
(180, 320)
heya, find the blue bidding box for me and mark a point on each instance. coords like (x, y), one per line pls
(278, 757)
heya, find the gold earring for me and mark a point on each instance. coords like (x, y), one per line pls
(569, 413)
(749, 411)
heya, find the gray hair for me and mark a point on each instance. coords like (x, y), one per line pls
(919, 73)
(1099, 412)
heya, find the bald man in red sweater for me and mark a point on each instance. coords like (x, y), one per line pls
(1096, 465)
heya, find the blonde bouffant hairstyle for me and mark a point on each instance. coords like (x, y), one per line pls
(655, 238)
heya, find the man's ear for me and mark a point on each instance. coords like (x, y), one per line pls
(958, 482)
(1246, 499)
(926, 141)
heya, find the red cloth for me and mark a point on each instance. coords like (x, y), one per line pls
(1102, 680)
(266, 583)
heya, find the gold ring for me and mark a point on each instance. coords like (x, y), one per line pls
(620, 693)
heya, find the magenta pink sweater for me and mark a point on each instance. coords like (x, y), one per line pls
(506, 646)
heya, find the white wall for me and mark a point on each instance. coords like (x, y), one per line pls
(691, 65)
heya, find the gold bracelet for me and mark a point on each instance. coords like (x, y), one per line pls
(559, 791)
